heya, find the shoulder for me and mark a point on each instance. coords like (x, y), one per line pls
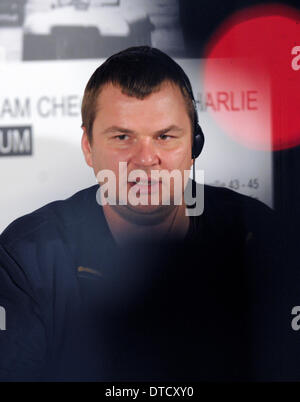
(36, 249)
(229, 211)
(46, 220)
(220, 200)
(225, 198)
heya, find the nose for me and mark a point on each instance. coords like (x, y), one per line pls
(145, 154)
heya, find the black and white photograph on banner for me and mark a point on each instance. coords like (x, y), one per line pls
(149, 169)
(86, 29)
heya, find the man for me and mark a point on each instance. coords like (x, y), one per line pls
(119, 290)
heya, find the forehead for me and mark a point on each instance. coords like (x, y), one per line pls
(166, 98)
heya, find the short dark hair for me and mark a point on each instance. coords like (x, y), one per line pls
(138, 71)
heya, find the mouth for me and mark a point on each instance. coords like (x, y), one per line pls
(145, 186)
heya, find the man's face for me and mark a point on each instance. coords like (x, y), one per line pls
(149, 134)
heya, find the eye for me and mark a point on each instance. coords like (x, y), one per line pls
(122, 137)
(164, 137)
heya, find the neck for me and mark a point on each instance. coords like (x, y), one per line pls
(165, 225)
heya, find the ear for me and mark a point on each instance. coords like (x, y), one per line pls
(86, 148)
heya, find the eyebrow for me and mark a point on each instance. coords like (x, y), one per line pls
(114, 129)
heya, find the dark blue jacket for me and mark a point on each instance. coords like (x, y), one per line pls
(78, 307)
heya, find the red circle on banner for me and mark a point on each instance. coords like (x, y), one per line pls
(252, 77)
